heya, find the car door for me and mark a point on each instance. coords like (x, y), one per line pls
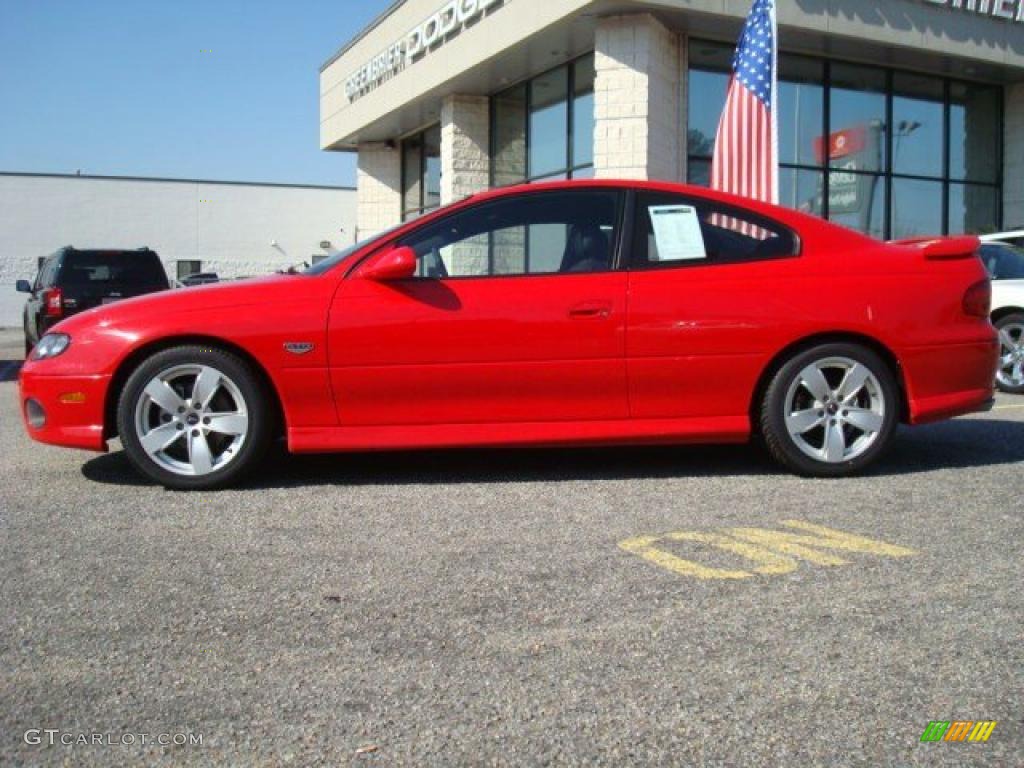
(517, 314)
(705, 309)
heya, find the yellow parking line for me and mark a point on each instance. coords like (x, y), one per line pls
(1007, 407)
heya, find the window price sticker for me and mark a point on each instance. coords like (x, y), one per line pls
(677, 233)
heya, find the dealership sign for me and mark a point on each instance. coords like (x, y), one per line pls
(1010, 10)
(429, 34)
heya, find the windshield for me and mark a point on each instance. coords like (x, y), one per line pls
(103, 268)
(1003, 262)
(336, 258)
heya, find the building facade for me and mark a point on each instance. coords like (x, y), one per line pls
(231, 228)
(895, 118)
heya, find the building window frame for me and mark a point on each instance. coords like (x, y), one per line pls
(887, 175)
(408, 213)
(571, 169)
(185, 267)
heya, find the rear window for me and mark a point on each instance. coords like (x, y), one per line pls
(133, 268)
(1003, 262)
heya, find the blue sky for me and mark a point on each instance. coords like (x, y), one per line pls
(123, 87)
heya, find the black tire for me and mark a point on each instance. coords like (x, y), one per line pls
(28, 346)
(1016, 319)
(256, 405)
(782, 446)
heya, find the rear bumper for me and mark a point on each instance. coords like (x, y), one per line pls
(950, 380)
(73, 408)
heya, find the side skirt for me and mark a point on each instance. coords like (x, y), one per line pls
(719, 429)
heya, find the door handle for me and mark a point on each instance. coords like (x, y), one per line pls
(587, 309)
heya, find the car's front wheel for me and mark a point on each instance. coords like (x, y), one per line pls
(1010, 374)
(194, 418)
(831, 410)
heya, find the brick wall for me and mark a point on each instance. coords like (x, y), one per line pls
(378, 188)
(465, 140)
(638, 108)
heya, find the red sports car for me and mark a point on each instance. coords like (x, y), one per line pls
(559, 314)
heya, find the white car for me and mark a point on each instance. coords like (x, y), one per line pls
(1005, 264)
(1014, 237)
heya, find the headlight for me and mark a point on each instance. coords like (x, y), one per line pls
(51, 345)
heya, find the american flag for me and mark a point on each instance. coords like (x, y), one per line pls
(746, 158)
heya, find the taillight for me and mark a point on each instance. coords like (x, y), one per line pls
(978, 299)
(54, 302)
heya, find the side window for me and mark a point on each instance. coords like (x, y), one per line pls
(541, 233)
(677, 231)
(46, 273)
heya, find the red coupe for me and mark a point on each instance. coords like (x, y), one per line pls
(560, 314)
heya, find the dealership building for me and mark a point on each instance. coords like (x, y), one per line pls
(896, 118)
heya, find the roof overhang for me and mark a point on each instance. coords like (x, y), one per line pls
(374, 89)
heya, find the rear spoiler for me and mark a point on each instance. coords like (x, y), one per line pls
(944, 248)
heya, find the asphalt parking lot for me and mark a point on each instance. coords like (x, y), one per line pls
(600, 607)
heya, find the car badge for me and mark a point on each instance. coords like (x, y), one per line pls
(298, 347)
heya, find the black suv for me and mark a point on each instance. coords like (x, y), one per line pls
(72, 280)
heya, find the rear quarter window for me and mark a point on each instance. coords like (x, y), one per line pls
(677, 231)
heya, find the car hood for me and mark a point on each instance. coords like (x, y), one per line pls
(189, 301)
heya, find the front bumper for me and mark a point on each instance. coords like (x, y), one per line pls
(73, 408)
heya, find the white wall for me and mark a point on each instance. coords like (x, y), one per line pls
(229, 227)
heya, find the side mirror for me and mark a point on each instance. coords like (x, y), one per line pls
(23, 286)
(396, 264)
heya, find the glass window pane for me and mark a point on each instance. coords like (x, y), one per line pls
(716, 57)
(699, 172)
(432, 180)
(916, 208)
(549, 122)
(584, 173)
(858, 118)
(675, 230)
(412, 174)
(583, 112)
(547, 244)
(972, 209)
(801, 190)
(553, 177)
(801, 110)
(509, 151)
(917, 115)
(554, 231)
(974, 132)
(857, 201)
(508, 250)
(706, 100)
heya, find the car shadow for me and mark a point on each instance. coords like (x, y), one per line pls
(9, 370)
(956, 444)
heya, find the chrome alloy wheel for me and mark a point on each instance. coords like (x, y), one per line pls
(191, 420)
(835, 409)
(1011, 355)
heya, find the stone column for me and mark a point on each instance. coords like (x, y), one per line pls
(465, 146)
(1013, 157)
(378, 189)
(638, 110)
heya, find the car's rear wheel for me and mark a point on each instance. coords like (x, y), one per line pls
(1010, 374)
(194, 418)
(830, 411)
